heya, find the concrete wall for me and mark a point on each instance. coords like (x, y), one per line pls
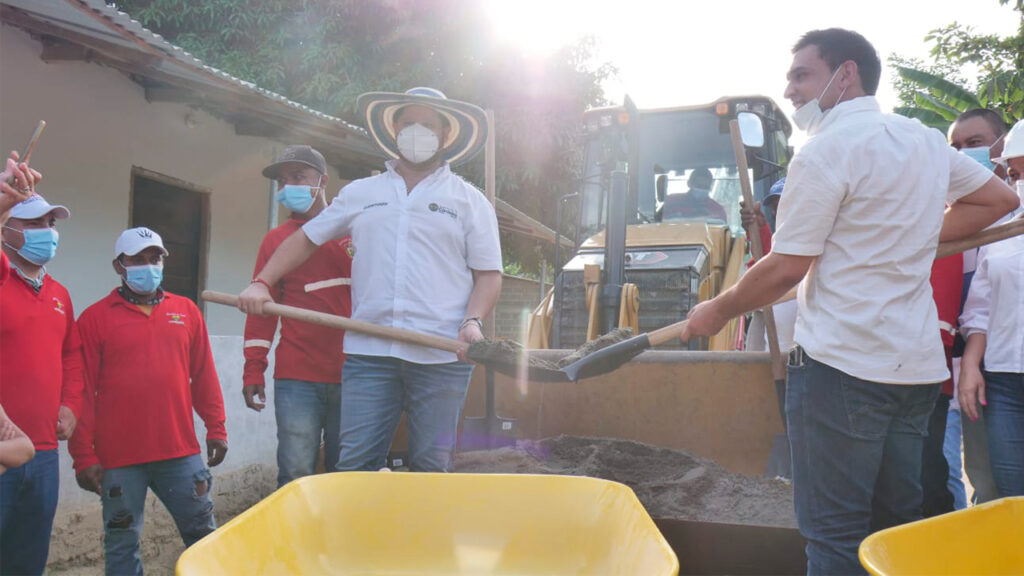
(519, 296)
(99, 125)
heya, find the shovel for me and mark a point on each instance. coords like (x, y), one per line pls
(491, 431)
(512, 364)
(779, 460)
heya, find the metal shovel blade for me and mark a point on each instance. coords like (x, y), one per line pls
(606, 359)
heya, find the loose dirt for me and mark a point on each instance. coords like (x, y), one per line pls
(670, 483)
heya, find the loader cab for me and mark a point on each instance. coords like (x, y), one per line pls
(660, 149)
(682, 242)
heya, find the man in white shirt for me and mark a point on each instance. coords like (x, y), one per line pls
(427, 258)
(861, 216)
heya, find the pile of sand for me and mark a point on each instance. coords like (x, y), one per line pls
(670, 483)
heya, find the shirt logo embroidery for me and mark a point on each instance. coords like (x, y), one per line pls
(58, 305)
(349, 247)
(175, 318)
(435, 207)
(375, 205)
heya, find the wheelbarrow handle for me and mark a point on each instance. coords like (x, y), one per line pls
(342, 323)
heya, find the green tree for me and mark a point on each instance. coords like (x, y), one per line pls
(324, 53)
(937, 92)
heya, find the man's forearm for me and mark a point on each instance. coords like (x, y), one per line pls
(486, 289)
(295, 250)
(767, 281)
(980, 208)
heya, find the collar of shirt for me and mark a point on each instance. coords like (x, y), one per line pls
(35, 283)
(840, 112)
(392, 167)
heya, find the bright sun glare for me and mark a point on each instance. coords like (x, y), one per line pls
(536, 27)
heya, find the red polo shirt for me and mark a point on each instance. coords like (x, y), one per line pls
(40, 356)
(947, 281)
(322, 283)
(144, 376)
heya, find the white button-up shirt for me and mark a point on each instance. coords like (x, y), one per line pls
(866, 195)
(995, 305)
(415, 253)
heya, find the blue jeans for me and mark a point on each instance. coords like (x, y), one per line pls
(951, 449)
(856, 449)
(28, 501)
(1004, 421)
(306, 412)
(182, 484)
(374, 392)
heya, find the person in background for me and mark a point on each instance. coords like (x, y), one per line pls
(148, 365)
(979, 134)
(696, 203)
(992, 369)
(763, 216)
(308, 359)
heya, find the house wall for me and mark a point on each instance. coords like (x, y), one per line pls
(99, 125)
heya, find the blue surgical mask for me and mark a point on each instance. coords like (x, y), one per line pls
(297, 198)
(40, 244)
(980, 155)
(144, 279)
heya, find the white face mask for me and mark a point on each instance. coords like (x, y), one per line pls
(809, 116)
(417, 143)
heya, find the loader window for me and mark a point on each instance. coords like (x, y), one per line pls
(678, 142)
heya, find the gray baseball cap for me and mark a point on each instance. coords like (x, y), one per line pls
(300, 153)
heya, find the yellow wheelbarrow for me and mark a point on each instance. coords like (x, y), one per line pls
(408, 523)
(982, 540)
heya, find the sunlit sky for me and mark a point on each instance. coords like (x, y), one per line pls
(686, 52)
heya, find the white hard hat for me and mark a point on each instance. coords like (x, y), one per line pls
(1013, 145)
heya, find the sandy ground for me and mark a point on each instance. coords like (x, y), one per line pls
(76, 546)
(670, 484)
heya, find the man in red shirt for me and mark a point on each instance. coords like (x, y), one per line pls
(148, 365)
(40, 380)
(307, 368)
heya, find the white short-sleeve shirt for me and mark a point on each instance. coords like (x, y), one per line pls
(414, 255)
(866, 195)
(995, 305)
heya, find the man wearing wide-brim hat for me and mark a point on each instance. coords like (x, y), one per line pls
(427, 259)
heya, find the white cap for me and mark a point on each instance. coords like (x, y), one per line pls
(35, 206)
(1013, 145)
(135, 240)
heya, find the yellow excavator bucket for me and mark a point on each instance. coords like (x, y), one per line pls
(981, 540)
(365, 523)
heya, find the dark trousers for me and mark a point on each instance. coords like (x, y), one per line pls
(28, 501)
(934, 467)
(856, 449)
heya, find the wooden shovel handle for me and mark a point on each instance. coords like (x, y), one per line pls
(1005, 230)
(665, 333)
(342, 323)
